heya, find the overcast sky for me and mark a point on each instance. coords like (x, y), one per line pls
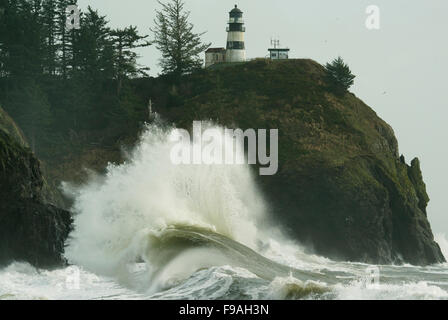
(401, 69)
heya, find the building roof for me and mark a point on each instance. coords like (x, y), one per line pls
(212, 50)
(236, 10)
(279, 49)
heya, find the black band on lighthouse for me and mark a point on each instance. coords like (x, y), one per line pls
(236, 27)
(238, 45)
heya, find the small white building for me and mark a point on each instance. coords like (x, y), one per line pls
(214, 55)
(278, 54)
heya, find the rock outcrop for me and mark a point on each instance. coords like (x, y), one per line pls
(30, 229)
(342, 188)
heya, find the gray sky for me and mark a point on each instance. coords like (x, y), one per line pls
(401, 69)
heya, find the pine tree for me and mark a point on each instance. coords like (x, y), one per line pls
(50, 76)
(7, 10)
(28, 105)
(124, 41)
(21, 39)
(339, 75)
(49, 17)
(174, 37)
(89, 46)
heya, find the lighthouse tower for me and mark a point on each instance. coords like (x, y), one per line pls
(236, 50)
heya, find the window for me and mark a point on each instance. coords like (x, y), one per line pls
(238, 45)
(236, 27)
(236, 14)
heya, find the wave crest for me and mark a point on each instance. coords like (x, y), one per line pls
(119, 214)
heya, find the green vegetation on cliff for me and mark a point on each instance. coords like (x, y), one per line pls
(8, 125)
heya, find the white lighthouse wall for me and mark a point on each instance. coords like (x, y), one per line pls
(235, 36)
(235, 55)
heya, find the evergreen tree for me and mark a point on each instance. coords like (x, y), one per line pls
(49, 17)
(21, 39)
(90, 45)
(174, 37)
(125, 41)
(29, 107)
(339, 75)
(64, 80)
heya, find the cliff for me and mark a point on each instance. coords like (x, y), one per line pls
(30, 229)
(341, 189)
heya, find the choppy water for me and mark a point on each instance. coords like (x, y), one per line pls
(334, 280)
(151, 230)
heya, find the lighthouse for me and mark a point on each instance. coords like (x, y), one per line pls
(236, 50)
